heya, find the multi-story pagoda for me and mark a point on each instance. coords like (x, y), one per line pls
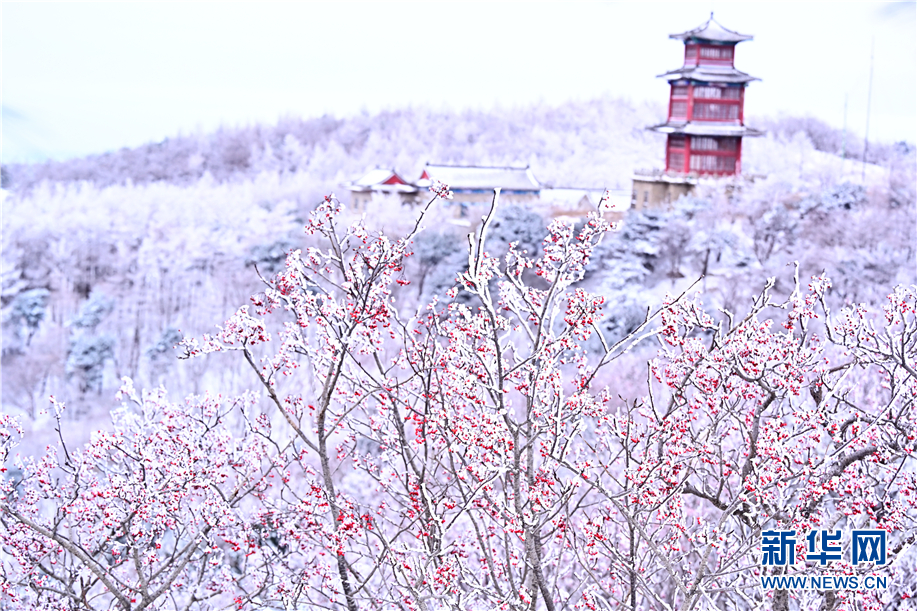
(705, 125)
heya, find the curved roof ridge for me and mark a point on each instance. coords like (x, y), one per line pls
(487, 167)
(713, 31)
(460, 177)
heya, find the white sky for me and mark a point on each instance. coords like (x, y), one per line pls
(81, 78)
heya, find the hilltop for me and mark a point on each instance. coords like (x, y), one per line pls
(595, 143)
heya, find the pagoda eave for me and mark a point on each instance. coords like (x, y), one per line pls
(706, 129)
(711, 31)
(704, 74)
(722, 39)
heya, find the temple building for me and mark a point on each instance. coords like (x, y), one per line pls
(473, 187)
(380, 183)
(705, 124)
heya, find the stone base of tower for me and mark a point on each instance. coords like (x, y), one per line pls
(655, 189)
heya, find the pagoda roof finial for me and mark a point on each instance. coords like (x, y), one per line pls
(711, 31)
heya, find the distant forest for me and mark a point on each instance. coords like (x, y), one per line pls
(585, 144)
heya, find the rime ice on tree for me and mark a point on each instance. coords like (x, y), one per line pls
(705, 123)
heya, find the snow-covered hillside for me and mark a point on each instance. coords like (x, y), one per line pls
(587, 144)
(108, 260)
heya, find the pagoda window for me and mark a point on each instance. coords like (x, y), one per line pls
(680, 109)
(717, 93)
(721, 53)
(676, 161)
(713, 163)
(716, 112)
(679, 91)
(676, 141)
(701, 143)
(690, 51)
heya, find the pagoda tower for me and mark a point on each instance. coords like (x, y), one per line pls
(705, 123)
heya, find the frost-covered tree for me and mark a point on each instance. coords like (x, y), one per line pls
(27, 311)
(474, 453)
(92, 312)
(86, 360)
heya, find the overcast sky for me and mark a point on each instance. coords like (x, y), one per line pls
(80, 78)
